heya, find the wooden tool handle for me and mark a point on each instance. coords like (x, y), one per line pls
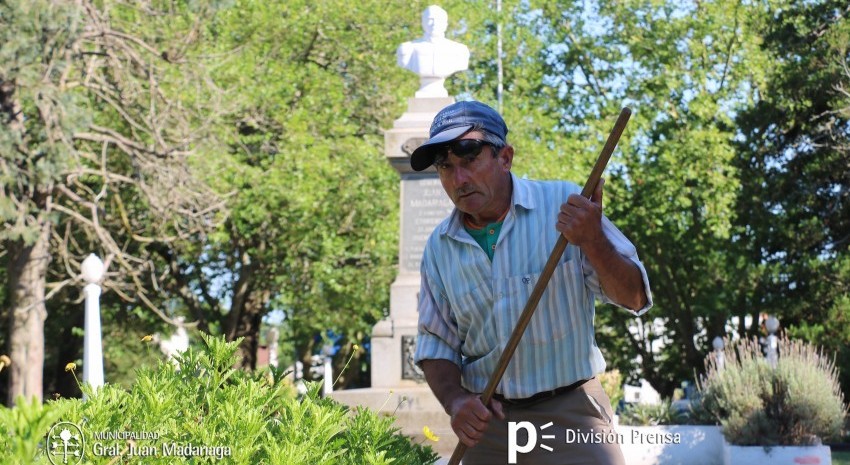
(543, 281)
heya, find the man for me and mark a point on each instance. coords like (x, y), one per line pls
(433, 57)
(478, 270)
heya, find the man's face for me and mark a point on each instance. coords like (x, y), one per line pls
(478, 186)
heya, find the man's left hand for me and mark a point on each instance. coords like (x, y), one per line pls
(580, 219)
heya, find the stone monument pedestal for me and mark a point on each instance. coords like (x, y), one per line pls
(398, 386)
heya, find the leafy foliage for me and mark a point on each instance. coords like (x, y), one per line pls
(612, 383)
(757, 404)
(736, 106)
(97, 128)
(795, 149)
(24, 428)
(639, 414)
(666, 413)
(311, 201)
(671, 188)
(203, 401)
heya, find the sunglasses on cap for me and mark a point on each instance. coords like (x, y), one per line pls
(464, 148)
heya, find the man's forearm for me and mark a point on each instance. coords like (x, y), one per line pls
(620, 278)
(443, 378)
(580, 221)
(469, 417)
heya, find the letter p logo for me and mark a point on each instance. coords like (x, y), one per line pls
(513, 447)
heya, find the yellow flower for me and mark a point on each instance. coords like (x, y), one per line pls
(430, 434)
(5, 361)
(70, 366)
(147, 338)
(356, 347)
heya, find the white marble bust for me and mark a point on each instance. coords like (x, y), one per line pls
(433, 57)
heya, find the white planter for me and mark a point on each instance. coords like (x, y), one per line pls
(672, 445)
(778, 455)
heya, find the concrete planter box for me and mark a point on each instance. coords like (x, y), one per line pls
(705, 445)
(672, 445)
(777, 455)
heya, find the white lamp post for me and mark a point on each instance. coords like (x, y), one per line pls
(93, 271)
(772, 325)
(271, 340)
(328, 384)
(719, 356)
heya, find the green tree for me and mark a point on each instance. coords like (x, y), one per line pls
(794, 217)
(547, 147)
(734, 180)
(312, 222)
(672, 192)
(316, 237)
(94, 141)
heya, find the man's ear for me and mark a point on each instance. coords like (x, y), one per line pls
(506, 157)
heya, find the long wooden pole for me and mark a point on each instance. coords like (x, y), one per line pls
(543, 281)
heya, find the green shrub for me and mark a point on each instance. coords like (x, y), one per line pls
(250, 419)
(612, 384)
(22, 429)
(662, 413)
(698, 415)
(794, 403)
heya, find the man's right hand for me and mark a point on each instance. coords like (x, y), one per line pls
(470, 417)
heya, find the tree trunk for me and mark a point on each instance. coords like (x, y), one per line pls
(244, 320)
(248, 327)
(27, 274)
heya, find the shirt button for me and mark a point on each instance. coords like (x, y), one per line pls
(492, 231)
(493, 247)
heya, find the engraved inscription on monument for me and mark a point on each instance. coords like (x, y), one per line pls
(424, 205)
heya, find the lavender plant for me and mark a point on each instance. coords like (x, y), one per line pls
(798, 402)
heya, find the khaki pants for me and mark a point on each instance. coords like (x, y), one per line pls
(581, 432)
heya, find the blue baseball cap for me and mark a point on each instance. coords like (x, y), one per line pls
(452, 122)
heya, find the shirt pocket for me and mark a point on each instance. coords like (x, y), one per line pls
(475, 323)
(554, 317)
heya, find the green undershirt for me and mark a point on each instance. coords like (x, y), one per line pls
(486, 237)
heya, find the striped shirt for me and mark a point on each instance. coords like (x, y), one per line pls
(468, 304)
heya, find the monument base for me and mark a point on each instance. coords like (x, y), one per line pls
(412, 407)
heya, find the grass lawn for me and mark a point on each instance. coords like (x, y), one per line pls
(841, 457)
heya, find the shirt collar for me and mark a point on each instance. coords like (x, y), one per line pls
(521, 197)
